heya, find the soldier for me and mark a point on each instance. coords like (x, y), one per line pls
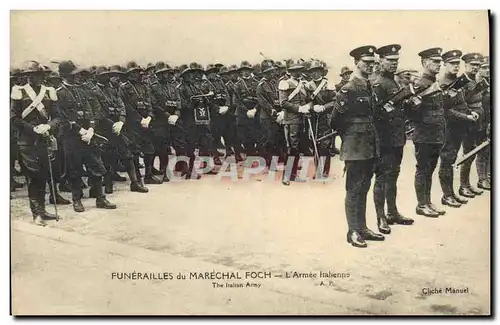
(353, 117)
(15, 84)
(473, 131)
(267, 96)
(164, 99)
(322, 100)
(427, 114)
(345, 75)
(195, 115)
(137, 99)
(112, 127)
(78, 137)
(245, 99)
(34, 112)
(483, 157)
(295, 103)
(219, 106)
(458, 116)
(390, 125)
(280, 69)
(149, 76)
(228, 126)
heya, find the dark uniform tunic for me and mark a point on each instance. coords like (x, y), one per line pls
(456, 111)
(484, 156)
(353, 117)
(79, 113)
(33, 155)
(428, 137)
(245, 99)
(391, 131)
(473, 132)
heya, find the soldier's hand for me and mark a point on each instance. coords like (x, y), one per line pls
(117, 127)
(388, 107)
(319, 108)
(88, 136)
(251, 113)
(172, 119)
(280, 117)
(41, 128)
(223, 110)
(304, 109)
(475, 116)
(145, 122)
(451, 92)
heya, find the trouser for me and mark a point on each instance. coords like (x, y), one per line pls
(198, 135)
(272, 143)
(34, 163)
(215, 126)
(427, 155)
(79, 154)
(386, 178)
(448, 155)
(470, 141)
(358, 179)
(228, 131)
(248, 134)
(295, 137)
(483, 159)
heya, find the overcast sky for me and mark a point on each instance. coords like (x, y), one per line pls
(109, 37)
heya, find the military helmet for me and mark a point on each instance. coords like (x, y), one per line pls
(280, 65)
(101, 70)
(33, 67)
(223, 70)
(193, 66)
(132, 66)
(233, 68)
(54, 75)
(345, 70)
(150, 66)
(295, 65)
(267, 66)
(257, 68)
(115, 69)
(66, 67)
(315, 65)
(210, 67)
(162, 67)
(15, 72)
(245, 65)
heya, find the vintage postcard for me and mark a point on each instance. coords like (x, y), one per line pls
(250, 163)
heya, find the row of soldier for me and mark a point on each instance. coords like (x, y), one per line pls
(273, 111)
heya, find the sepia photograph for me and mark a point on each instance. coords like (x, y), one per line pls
(250, 163)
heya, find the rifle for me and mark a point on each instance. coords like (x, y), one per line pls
(398, 97)
(471, 153)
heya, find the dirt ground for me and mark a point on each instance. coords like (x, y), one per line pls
(255, 225)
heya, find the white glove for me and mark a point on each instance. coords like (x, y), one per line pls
(88, 135)
(41, 128)
(251, 113)
(451, 92)
(319, 108)
(388, 107)
(145, 122)
(117, 127)
(82, 131)
(223, 110)
(304, 109)
(475, 115)
(172, 119)
(280, 117)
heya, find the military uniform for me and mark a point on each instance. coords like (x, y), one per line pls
(164, 100)
(137, 99)
(390, 127)
(267, 97)
(78, 123)
(34, 106)
(428, 136)
(353, 117)
(322, 101)
(484, 157)
(294, 101)
(456, 113)
(474, 131)
(245, 100)
(14, 134)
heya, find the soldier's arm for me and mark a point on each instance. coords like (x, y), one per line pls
(238, 99)
(66, 122)
(16, 110)
(149, 104)
(121, 109)
(283, 88)
(262, 99)
(55, 115)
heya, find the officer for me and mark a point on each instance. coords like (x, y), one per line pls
(245, 99)
(390, 125)
(164, 100)
(473, 132)
(35, 113)
(78, 138)
(458, 117)
(295, 103)
(137, 99)
(195, 115)
(427, 114)
(219, 105)
(322, 101)
(484, 156)
(353, 117)
(112, 127)
(270, 113)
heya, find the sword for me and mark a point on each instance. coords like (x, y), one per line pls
(52, 183)
(326, 136)
(471, 153)
(313, 138)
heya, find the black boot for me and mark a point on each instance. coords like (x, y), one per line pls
(439, 211)
(59, 199)
(460, 199)
(383, 227)
(35, 211)
(466, 192)
(118, 178)
(425, 210)
(149, 178)
(367, 234)
(78, 206)
(137, 187)
(355, 239)
(484, 184)
(103, 203)
(108, 183)
(450, 201)
(395, 217)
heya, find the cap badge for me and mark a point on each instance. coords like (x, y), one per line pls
(454, 53)
(475, 56)
(370, 50)
(439, 51)
(393, 49)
